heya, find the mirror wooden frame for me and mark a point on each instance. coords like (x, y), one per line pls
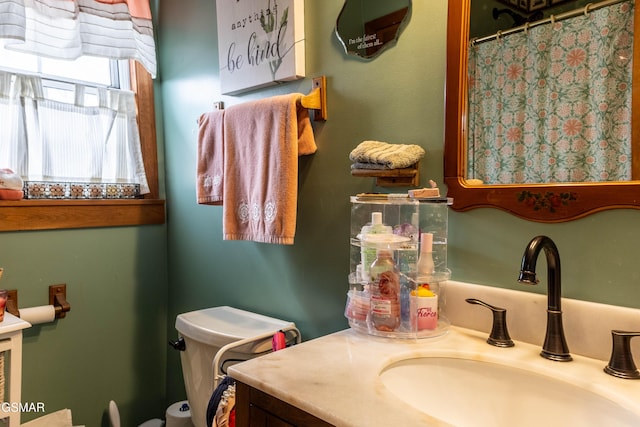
(536, 202)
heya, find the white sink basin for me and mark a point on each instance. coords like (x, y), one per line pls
(466, 392)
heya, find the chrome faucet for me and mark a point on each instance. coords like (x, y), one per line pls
(555, 346)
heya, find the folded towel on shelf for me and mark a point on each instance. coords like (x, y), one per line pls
(210, 162)
(382, 155)
(262, 142)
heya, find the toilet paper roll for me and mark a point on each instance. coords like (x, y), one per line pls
(176, 416)
(36, 315)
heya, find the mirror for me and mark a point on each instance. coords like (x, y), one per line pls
(542, 202)
(366, 28)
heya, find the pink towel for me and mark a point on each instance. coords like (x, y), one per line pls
(263, 140)
(210, 167)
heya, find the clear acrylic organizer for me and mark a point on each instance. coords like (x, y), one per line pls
(404, 219)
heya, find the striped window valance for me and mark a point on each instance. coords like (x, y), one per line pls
(68, 29)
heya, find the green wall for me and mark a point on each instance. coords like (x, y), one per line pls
(111, 345)
(399, 98)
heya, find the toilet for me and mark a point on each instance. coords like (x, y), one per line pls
(212, 339)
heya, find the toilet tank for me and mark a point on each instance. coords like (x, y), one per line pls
(206, 332)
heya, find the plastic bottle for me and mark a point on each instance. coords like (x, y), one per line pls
(407, 260)
(425, 265)
(385, 292)
(368, 249)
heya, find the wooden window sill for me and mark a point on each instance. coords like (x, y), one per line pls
(17, 215)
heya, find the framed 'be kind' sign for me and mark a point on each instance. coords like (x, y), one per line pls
(260, 43)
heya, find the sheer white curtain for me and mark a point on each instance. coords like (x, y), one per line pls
(92, 138)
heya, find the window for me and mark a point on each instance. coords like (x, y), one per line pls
(55, 214)
(90, 69)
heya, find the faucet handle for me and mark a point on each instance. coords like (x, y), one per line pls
(499, 335)
(621, 363)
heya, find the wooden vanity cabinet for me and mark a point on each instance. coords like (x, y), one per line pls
(255, 408)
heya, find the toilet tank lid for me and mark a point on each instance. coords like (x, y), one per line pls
(219, 326)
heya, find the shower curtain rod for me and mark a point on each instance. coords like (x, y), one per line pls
(583, 10)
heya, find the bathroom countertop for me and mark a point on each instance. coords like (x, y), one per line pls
(336, 377)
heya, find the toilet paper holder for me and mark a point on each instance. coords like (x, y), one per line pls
(57, 298)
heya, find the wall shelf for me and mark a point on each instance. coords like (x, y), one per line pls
(406, 177)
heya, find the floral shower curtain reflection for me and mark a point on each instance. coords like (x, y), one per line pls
(553, 103)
